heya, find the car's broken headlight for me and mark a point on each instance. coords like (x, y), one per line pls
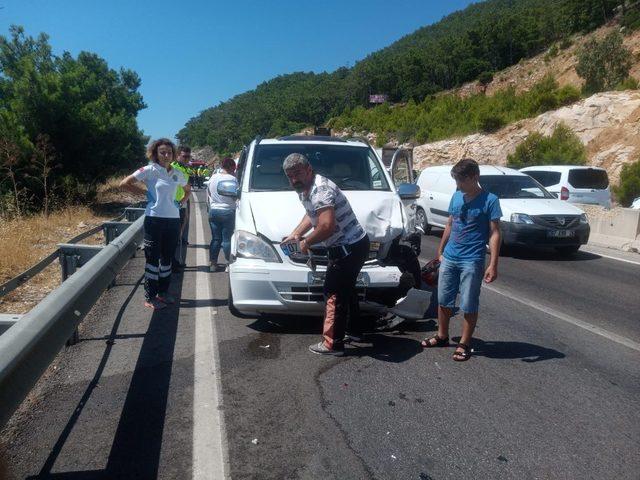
(249, 245)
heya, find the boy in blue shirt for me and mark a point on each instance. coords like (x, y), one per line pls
(474, 221)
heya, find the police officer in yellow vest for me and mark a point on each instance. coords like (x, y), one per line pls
(182, 198)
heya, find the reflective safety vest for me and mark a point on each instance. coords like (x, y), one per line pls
(180, 190)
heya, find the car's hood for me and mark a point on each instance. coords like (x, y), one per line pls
(276, 214)
(537, 206)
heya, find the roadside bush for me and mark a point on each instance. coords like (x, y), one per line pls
(629, 83)
(565, 43)
(551, 53)
(603, 64)
(631, 19)
(563, 147)
(629, 187)
(490, 122)
(568, 95)
(443, 116)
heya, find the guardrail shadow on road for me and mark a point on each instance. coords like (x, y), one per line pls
(136, 447)
(45, 472)
(527, 352)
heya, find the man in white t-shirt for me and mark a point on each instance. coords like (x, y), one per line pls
(222, 211)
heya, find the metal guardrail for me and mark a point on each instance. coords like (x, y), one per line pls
(10, 285)
(34, 339)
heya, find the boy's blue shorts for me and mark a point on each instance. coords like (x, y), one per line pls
(464, 277)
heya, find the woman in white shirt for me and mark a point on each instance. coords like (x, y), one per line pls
(222, 213)
(162, 218)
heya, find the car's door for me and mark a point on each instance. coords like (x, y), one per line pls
(401, 170)
(443, 190)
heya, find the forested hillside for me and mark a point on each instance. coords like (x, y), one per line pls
(483, 38)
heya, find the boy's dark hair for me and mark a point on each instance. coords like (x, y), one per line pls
(465, 168)
(184, 148)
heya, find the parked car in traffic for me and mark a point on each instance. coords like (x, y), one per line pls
(636, 203)
(263, 277)
(531, 216)
(575, 184)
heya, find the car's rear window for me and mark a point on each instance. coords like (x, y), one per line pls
(351, 168)
(546, 179)
(588, 178)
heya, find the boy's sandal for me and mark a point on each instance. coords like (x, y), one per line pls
(464, 355)
(435, 341)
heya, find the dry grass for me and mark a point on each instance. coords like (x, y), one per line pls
(25, 241)
(110, 192)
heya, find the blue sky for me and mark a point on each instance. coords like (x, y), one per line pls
(193, 54)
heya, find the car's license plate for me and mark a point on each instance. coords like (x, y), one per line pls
(560, 233)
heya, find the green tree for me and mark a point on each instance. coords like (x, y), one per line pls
(603, 64)
(85, 110)
(629, 187)
(563, 147)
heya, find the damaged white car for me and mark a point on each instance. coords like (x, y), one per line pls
(263, 278)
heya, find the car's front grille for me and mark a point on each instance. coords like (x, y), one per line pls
(557, 221)
(319, 256)
(311, 293)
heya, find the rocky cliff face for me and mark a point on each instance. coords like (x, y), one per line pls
(607, 123)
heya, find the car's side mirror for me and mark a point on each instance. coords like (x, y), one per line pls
(408, 191)
(228, 188)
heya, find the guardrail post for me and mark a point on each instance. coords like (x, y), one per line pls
(131, 214)
(71, 258)
(113, 229)
(8, 320)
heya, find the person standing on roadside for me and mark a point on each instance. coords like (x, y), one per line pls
(474, 222)
(162, 219)
(222, 214)
(184, 202)
(330, 215)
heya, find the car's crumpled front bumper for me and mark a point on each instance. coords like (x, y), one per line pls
(258, 287)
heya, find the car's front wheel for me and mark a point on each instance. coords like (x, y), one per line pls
(421, 221)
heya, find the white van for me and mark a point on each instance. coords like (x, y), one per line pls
(531, 216)
(575, 184)
(265, 279)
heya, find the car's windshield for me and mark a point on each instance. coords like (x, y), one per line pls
(513, 186)
(351, 168)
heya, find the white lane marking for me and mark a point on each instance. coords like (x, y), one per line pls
(594, 252)
(208, 426)
(566, 318)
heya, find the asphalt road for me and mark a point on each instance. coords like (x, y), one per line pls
(551, 391)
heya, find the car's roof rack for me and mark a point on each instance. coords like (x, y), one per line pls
(311, 138)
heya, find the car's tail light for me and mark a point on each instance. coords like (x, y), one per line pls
(564, 193)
